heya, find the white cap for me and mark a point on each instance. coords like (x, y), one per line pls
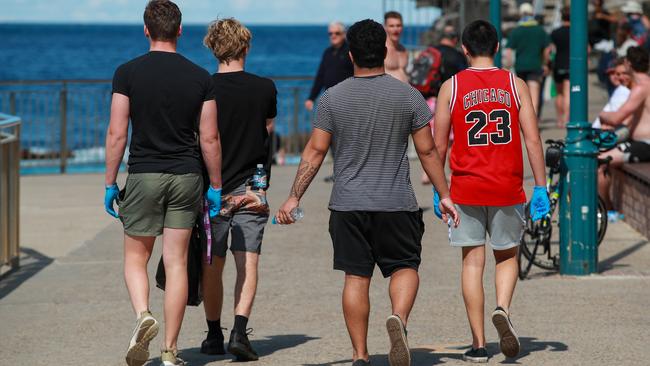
(526, 9)
(632, 7)
(260, 165)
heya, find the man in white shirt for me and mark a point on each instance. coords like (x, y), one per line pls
(620, 76)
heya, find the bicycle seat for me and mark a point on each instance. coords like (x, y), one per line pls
(553, 156)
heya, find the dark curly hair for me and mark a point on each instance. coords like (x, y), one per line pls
(480, 38)
(638, 59)
(163, 20)
(367, 41)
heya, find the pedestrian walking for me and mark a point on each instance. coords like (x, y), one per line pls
(375, 218)
(246, 111)
(560, 38)
(335, 65)
(487, 107)
(164, 95)
(530, 43)
(397, 58)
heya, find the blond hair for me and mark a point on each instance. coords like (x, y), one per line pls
(228, 39)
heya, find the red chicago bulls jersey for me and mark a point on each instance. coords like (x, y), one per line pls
(486, 158)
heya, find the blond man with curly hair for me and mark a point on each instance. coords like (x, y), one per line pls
(246, 110)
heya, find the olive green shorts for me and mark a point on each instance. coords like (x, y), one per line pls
(150, 202)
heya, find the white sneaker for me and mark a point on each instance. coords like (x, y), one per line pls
(146, 329)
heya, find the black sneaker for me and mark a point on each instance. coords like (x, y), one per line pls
(361, 362)
(240, 346)
(399, 354)
(476, 355)
(508, 341)
(213, 345)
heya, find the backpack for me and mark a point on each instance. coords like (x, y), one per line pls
(426, 73)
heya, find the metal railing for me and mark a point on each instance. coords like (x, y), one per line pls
(9, 192)
(64, 121)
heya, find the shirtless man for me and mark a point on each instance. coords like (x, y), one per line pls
(637, 107)
(397, 57)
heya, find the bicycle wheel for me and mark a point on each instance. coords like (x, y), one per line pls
(536, 245)
(601, 220)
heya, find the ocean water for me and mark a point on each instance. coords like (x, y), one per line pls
(32, 52)
(42, 51)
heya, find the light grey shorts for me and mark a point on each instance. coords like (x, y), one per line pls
(504, 224)
(243, 216)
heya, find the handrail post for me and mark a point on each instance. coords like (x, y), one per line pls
(296, 113)
(9, 193)
(14, 200)
(12, 103)
(63, 106)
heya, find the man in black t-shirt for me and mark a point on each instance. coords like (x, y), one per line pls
(246, 110)
(164, 95)
(453, 60)
(560, 38)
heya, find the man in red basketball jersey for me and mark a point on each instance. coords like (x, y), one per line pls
(487, 107)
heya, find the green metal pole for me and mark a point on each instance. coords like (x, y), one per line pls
(578, 248)
(495, 19)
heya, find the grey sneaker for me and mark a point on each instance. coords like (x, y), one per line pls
(399, 354)
(146, 329)
(508, 341)
(361, 362)
(169, 357)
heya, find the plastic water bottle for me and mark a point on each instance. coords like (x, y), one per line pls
(296, 214)
(259, 178)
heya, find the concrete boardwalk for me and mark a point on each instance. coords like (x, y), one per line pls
(68, 304)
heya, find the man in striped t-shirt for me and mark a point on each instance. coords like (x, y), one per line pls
(375, 218)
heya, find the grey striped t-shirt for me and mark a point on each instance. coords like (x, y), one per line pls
(370, 119)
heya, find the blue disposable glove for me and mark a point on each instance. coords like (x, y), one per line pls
(110, 196)
(436, 204)
(214, 200)
(539, 204)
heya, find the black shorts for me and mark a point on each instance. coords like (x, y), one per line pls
(559, 75)
(392, 240)
(535, 75)
(635, 151)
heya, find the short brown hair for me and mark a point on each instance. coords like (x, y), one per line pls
(638, 58)
(228, 39)
(163, 20)
(393, 14)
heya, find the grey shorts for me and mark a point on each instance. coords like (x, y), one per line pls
(504, 224)
(243, 216)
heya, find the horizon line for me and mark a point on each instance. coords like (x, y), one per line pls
(191, 24)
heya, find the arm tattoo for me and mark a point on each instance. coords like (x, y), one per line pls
(306, 173)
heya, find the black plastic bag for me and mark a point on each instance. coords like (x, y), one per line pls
(194, 268)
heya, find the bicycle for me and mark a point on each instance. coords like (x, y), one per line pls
(538, 246)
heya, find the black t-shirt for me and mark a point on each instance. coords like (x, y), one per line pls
(560, 38)
(166, 92)
(244, 103)
(453, 61)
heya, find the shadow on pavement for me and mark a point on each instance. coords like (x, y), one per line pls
(432, 356)
(530, 345)
(263, 347)
(31, 262)
(610, 263)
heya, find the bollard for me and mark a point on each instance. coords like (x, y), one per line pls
(578, 203)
